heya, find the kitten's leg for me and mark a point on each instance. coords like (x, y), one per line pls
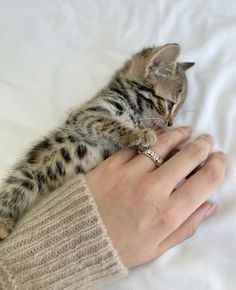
(128, 138)
(121, 135)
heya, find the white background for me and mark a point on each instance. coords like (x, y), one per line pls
(55, 54)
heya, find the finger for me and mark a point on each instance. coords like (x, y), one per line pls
(182, 163)
(124, 155)
(165, 143)
(188, 228)
(196, 190)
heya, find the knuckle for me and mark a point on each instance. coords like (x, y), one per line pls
(182, 132)
(190, 230)
(146, 219)
(213, 174)
(164, 221)
(165, 139)
(173, 137)
(110, 164)
(197, 151)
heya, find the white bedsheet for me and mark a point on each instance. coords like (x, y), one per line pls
(57, 53)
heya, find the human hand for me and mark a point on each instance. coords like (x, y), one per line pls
(143, 211)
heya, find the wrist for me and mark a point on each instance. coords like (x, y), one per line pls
(62, 241)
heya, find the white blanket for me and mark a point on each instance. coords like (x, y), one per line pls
(57, 53)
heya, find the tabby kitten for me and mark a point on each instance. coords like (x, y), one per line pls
(146, 92)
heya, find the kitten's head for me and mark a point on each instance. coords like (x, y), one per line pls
(157, 68)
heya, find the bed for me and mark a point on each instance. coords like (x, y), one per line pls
(55, 54)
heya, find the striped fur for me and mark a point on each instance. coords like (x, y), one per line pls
(146, 92)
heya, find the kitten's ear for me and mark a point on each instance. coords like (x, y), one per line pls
(186, 65)
(162, 59)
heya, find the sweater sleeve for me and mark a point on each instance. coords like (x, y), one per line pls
(60, 244)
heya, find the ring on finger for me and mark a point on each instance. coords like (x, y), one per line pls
(156, 158)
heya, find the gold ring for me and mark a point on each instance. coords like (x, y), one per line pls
(152, 155)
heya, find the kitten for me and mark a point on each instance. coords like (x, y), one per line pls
(146, 92)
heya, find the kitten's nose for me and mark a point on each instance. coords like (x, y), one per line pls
(170, 123)
(169, 119)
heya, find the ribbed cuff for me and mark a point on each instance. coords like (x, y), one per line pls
(60, 244)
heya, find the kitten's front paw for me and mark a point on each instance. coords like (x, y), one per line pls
(6, 227)
(141, 138)
(149, 138)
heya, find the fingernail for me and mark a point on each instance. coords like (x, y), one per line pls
(210, 211)
(221, 155)
(208, 136)
(188, 129)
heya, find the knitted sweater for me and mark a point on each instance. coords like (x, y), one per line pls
(60, 244)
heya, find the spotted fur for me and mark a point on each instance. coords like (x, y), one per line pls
(146, 92)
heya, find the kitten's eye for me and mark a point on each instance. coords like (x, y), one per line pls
(170, 105)
(179, 91)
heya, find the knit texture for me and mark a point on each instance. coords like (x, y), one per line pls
(60, 244)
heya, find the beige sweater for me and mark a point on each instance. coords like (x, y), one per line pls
(60, 244)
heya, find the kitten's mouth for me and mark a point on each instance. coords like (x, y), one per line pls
(156, 125)
(158, 129)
